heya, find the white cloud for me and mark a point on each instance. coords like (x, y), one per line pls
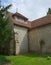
(33, 9)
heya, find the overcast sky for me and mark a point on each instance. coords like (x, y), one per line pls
(32, 9)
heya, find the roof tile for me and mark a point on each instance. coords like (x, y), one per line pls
(33, 24)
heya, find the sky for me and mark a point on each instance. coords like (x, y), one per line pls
(32, 9)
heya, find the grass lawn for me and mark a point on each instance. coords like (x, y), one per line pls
(26, 59)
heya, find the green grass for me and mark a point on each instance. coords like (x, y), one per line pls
(27, 59)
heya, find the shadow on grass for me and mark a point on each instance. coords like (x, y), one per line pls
(4, 60)
(37, 55)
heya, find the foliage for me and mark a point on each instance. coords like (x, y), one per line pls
(49, 11)
(3, 10)
(5, 30)
(4, 60)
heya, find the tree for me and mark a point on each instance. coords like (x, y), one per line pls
(49, 11)
(5, 30)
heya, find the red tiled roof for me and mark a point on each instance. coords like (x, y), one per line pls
(41, 21)
(20, 15)
(36, 23)
(26, 25)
